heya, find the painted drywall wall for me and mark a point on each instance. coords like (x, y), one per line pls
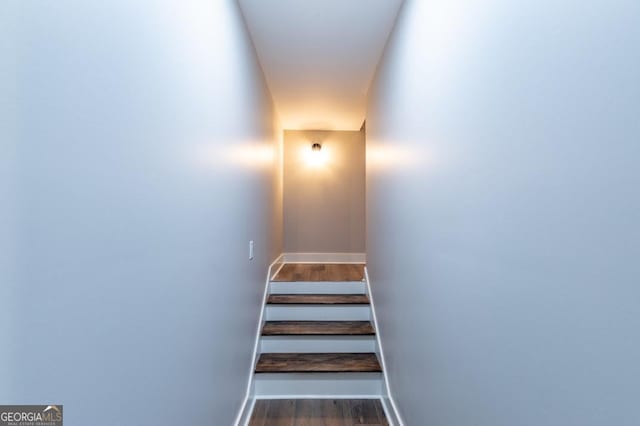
(277, 226)
(143, 166)
(324, 201)
(503, 212)
(276, 156)
(8, 147)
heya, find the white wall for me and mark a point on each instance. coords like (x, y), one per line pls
(324, 202)
(8, 147)
(277, 200)
(144, 165)
(503, 210)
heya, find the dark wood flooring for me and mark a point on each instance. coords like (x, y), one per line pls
(318, 363)
(320, 272)
(326, 328)
(318, 299)
(318, 412)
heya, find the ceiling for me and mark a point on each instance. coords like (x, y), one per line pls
(319, 56)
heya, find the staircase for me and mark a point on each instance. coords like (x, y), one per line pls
(318, 339)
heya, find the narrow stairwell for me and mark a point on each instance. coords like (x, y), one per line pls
(318, 338)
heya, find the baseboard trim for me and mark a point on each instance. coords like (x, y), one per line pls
(324, 257)
(277, 266)
(247, 404)
(245, 414)
(390, 412)
(388, 403)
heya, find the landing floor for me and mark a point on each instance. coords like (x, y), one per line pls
(318, 412)
(320, 272)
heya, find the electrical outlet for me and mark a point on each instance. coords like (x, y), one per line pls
(251, 250)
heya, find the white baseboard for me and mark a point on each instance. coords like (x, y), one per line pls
(390, 411)
(388, 403)
(277, 266)
(245, 413)
(249, 401)
(324, 257)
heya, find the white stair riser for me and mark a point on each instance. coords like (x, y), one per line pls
(317, 313)
(317, 384)
(315, 344)
(311, 287)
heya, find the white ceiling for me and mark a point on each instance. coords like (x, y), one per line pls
(319, 56)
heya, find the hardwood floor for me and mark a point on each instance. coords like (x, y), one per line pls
(318, 363)
(320, 272)
(318, 412)
(318, 299)
(321, 328)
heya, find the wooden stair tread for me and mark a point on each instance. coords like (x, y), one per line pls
(320, 272)
(318, 299)
(318, 363)
(351, 328)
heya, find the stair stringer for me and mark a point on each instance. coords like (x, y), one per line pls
(244, 414)
(388, 403)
